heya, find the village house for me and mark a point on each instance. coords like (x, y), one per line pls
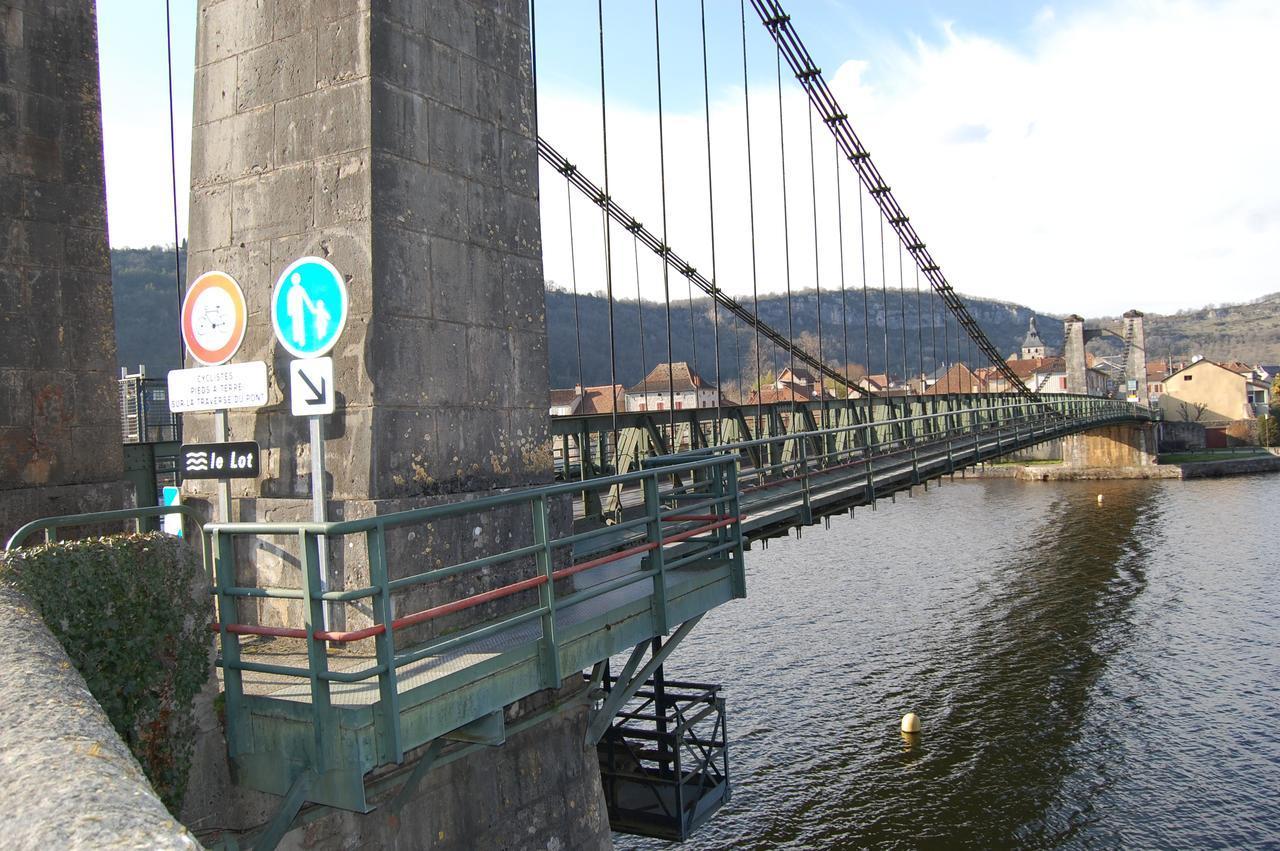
(877, 383)
(1211, 393)
(797, 385)
(655, 390)
(957, 379)
(582, 401)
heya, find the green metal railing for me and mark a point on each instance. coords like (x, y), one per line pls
(663, 538)
(959, 431)
(139, 518)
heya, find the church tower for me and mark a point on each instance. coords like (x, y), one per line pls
(1032, 345)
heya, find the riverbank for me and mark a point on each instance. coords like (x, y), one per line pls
(1210, 469)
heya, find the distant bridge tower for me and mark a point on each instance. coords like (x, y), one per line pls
(1135, 358)
(1076, 337)
(1117, 446)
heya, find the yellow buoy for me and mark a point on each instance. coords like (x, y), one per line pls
(1099, 499)
(911, 723)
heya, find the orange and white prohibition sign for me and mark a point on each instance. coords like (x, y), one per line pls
(213, 318)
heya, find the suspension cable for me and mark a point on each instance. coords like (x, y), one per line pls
(884, 307)
(866, 305)
(671, 259)
(644, 366)
(844, 301)
(778, 24)
(817, 275)
(666, 251)
(786, 241)
(608, 243)
(751, 208)
(919, 335)
(902, 306)
(173, 180)
(711, 211)
(573, 277)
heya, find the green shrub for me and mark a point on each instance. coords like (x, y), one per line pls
(131, 612)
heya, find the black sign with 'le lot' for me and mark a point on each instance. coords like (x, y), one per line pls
(219, 460)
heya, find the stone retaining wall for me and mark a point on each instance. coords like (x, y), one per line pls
(66, 778)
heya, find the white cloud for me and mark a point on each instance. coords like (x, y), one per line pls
(1124, 158)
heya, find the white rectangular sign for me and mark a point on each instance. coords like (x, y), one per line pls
(208, 388)
(311, 387)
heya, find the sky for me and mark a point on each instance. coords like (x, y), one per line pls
(1086, 157)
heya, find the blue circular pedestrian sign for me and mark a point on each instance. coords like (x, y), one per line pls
(309, 307)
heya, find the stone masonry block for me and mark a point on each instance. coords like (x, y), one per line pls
(232, 27)
(455, 294)
(504, 221)
(234, 147)
(215, 90)
(401, 118)
(452, 139)
(210, 217)
(403, 271)
(86, 248)
(401, 189)
(489, 354)
(276, 71)
(522, 285)
(502, 42)
(329, 121)
(276, 203)
(342, 190)
(519, 164)
(331, 10)
(428, 360)
(452, 22)
(77, 206)
(342, 49)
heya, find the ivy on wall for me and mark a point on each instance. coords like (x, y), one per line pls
(132, 612)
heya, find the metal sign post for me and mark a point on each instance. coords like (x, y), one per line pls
(220, 430)
(308, 312)
(316, 425)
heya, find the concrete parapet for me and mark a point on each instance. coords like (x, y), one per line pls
(66, 778)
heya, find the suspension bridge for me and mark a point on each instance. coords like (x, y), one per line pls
(487, 551)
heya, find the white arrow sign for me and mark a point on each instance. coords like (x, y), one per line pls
(311, 387)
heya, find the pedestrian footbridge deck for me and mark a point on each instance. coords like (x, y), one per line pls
(312, 709)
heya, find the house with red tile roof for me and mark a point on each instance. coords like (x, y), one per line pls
(669, 383)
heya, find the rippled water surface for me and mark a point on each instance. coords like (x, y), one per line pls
(1087, 675)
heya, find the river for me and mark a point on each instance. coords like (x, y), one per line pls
(1087, 674)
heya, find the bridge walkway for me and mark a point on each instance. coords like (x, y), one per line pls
(314, 712)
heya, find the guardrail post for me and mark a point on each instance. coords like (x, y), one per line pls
(653, 511)
(806, 511)
(733, 533)
(317, 653)
(385, 645)
(546, 593)
(224, 577)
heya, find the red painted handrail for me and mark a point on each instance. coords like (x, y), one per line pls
(484, 597)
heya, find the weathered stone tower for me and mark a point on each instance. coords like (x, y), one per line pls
(1134, 339)
(398, 141)
(1073, 340)
(59, 416)
(1135, 362)
(1113, 447)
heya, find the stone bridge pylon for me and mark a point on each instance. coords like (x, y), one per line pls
(1131, 333)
